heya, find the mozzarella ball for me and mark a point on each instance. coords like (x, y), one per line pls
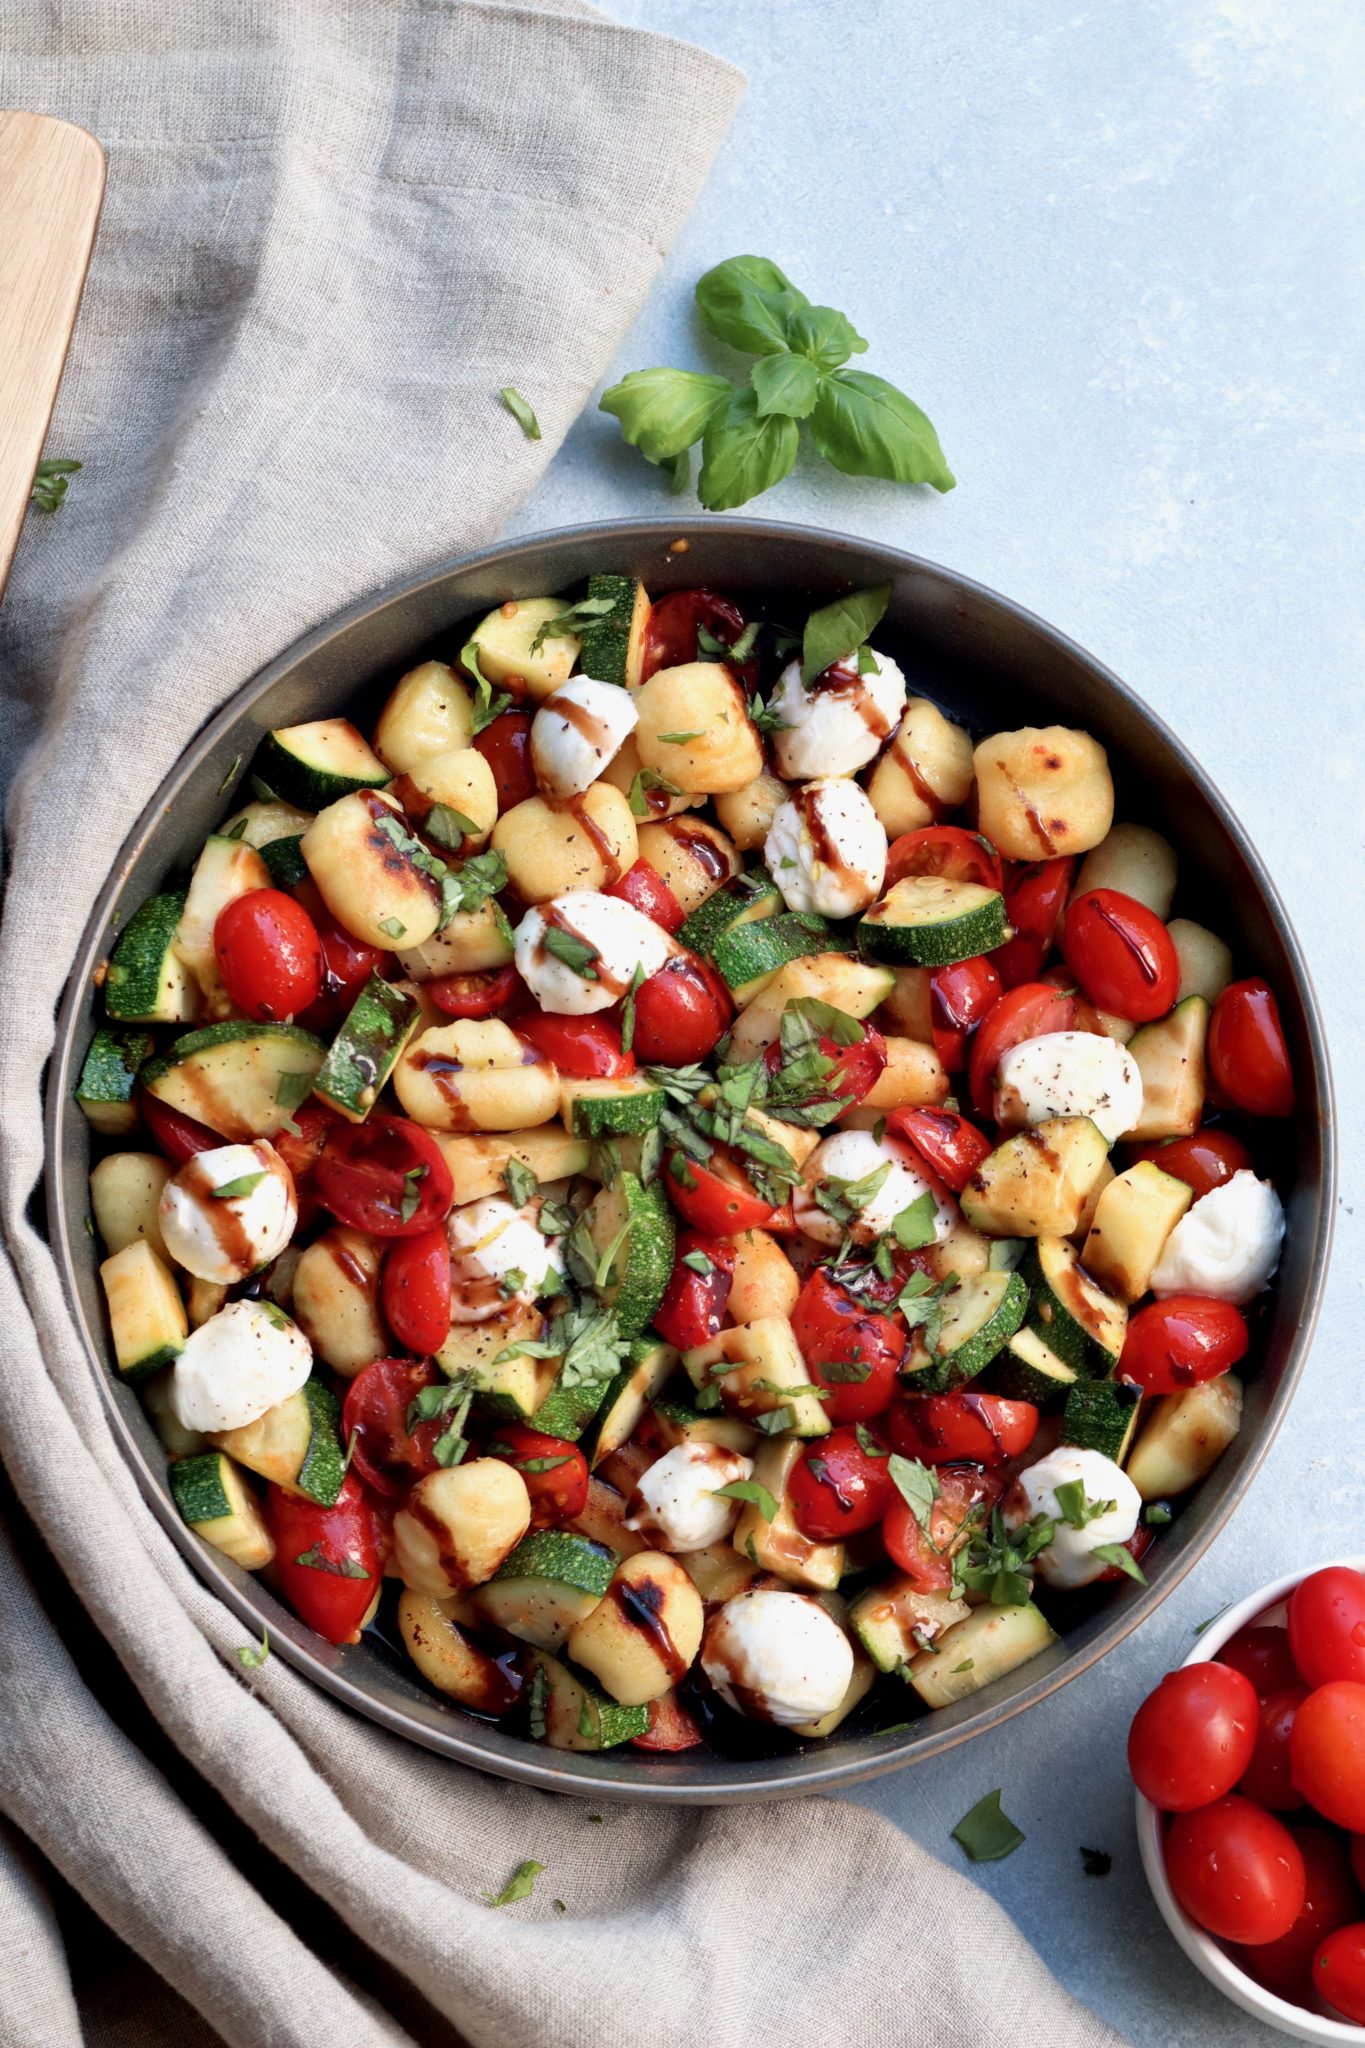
(227, 1237)
(827, 849)
(1070, 1559)
(621, 938)
(1070, 1073)
(839, 724)
(490, 1241)
(852, 1156)
(1043, 791)
(247, 1358)
(1227, 1245)
(675, 1505)
(702, 699)
(577, 731)
(777, 1656)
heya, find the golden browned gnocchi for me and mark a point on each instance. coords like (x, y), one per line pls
(716, 748)
(581, 842)
(1043, 791)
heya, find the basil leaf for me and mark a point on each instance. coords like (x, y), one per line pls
(915, 1225)
(748, 1490)
(572, 619)
(519, 1885)
(339, 1567)
(837, 630)
(742, 454)
(865, 427)
(824, 335)
(662, 412)
(573, 951)
(867, 1443)
(748, 301)
(50, 480)
(1115, 1554)
(521, 412)
(785, 384)
(231, 1190)
(628, 1009)
(986, 1833)
(251, 1656)
(678, 739)
(917, 1486)
(520, 1182)
(644, 781)
(678, 470)
(391, 928)
(536, 1704)
(1074, 1508)
(698, 1263)
(449, 828)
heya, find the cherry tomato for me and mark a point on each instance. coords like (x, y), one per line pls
(959, 997)
(1236, 1870)
(387, 1176)
(374, 1421)
(1327, 1752)
(853, 1071)
(671, 1727)
(1248, 1058)
(347, 964)
(837, 1489)
(1035, 897)
(849, 1349)
(1204, 1162)
(1193, 1737)
(589, 1048)
(299, 1148)
(949, 1146)
(1266, 1778)
(1032, 1010)
(966, 1496)
(475, 995)
(1182, 1341)
(1261, 1653)
(693, 1306)
(1339, 1971)
(1327, 1625)
(947, 850)
(415, 1290)
(718, 1199)
(1137, 1546)
(179, 1137)
(269, 955)
(505, 744)
(646, 890)
(1121, 954)
(333, 1590)
(1331, 1900)
(671, 635)
(555, 1471)
(945, 1429)
(681, 1013)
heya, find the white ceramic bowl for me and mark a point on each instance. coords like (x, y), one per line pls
(1208, 1955)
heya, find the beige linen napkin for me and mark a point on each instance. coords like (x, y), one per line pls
(333, 231)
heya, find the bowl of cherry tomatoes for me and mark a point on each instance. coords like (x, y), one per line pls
(1250, 1765)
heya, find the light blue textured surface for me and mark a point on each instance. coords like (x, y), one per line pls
(1115, 251)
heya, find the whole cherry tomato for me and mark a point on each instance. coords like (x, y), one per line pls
(1236, 1870)
(1121, 954)
(1266, 1778)
(944, 1429)
(1339, 1971)
(269, 955)
(645, 889)
(1035, 897)
(965, 1499)
(850, 1350)
(555, 1471)
(1261, 1653)
(505, 744)
(837, 1489)
(387, 1453)
(475, 995)
(1248, 1058)
(1193, 1737)
(387, 1176)
(671, 1727)
(693, 1306)
(959, 997)
(853, 1071)
(671, 635)
(589, 1048)
(1033, 1010)
(947, 850)
(949, 1146)
(327, 1559)
(1327, 1752)
(1204, 1162)
(1327, 1625)
(681, 1013)
(1331, 1900)
(179, 1137)
(415, 1290)
(1182, 1341)
(718, 1199)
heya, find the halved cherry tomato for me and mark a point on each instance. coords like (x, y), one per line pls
(671, 1727)
(681, 1013)
(850, 1350)
(837, 1489)
(269, 955)
(945, 1429)
(1205, 1161)
(1032, 1010)
(950, 1146)
(959, 997)
(1331, 1900)
(693, 1305)
(1121, 954)
(179, 1137)
(718, 1199)
(854, 1069)
(1327, 1625)
(947, 850)
(301, 1147)
(1248, 1058)
(589, 1048)
(671, 635)
(386, 1453)
(1035, 897)
(1236, 1870)
(1266, 1778)
(475, 995)
(645, 889)
(1193, 1737)
(555, 1471)
(1261, 1653)
(415, 1290)
(332, 1590)
(505, 744)
(966, 1496)
(1338, 1974)
(1327, 1752)
(387, 1176)
(1182, 1341)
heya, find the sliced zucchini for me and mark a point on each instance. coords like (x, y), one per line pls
(718, 1572)
(212, 1497)
(148, 982)
(1134, 1216)
(747, 898)
(1184, 1437)
(146, 1315)
(225, 870)
(779, 1546)
(989, 1643)
(1205, 960)
(978, 1319)
(125, 1195)
(896, 1619)
(578, 1714)
(848, 985)
(758, 1370)
(367, 1048)
(296, 1444)
(230, 1076)
(749, 955)
(285, 861)
(548, 1583)
(610, 1109)
(645, 1374)
(568, 1409)
(929, 921)
(478, 1165)
(1070, 1311)
(507, 1392)
(1036, 1184)
(1102, 1415)
(602, 1519)
(1170, 1058)
(108, 1072)
(266, 823)
(678, 1425)
(612, 648)
(312, 765)
(1028, 1370)
(632, 1231)
(505, 639)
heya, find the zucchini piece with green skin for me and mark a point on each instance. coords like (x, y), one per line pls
(108, 1072)
(977, 1320)
(567, 1410)
(479, 1164)
(312, 765)
(632, 1231)
(548, 1583)
(146, 1314)
(296, 1444)
(610, 1109)
(1134, 1216)
(1184, 1437)
(266, 823)
(513, 1389)
(896, 1619)
(928, 921)
(991, 1642)
(285, 861)
(678, 1425)
(1029, 1370)
(1070, 1311)
(646, 1372)
(1170, 1058)
(228, 1076)
(225, 870)
(758, 1370)
(612, 648)
(749, 955)
(577, 1713)
(1102, 1415)
(148, 982)
(848, 985)
(780, 1546)
(1037, 1183)
(214, 1500)
(746, 898)
(367, 1048)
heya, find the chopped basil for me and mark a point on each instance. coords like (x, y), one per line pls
(520, 1182)
(698, 1263)
(412, 1194)
(238, 830)
(709, 645)
(748, 1490)
(293, 1089)
(678, 739)
(645, 780)
(232, 1190)
(575, 953)
(628, 1009)
(917, 1484)
(251, 1656)
(1116, 1554)
(520, 411)
(868, 664)
(987, 1834)
(1073, 1507)
(391, 928)
(775, 1421)
(449, 828)
(741, 649)
(967, 1664)
(1200, 1626)
(487, 706)
(230, 777)
(867, 1443)
(572, 619)
(1096, 1862)
(764, 718)
(1157, 1515)
(341, 1568)
(536, 1704)
(50, 481)
(997, 1559)
(519, 1885)
(915, 1226)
